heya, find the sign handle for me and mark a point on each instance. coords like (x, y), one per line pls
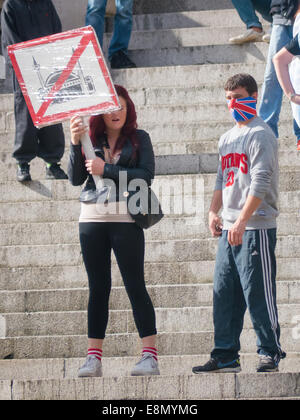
(90, 153)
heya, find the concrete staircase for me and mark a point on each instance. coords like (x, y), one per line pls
(182, 48)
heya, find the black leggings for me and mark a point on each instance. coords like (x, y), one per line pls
(128, 243)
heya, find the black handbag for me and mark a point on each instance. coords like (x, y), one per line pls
(145, 209)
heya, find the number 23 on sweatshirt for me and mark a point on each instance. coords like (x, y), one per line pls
(249, 166)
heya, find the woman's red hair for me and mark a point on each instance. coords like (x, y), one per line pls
(97, 125)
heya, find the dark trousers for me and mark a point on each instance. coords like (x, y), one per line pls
(127, 241)
(47, 143)
(245, 278)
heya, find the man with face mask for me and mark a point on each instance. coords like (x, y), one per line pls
(245, 269)
(23, 20)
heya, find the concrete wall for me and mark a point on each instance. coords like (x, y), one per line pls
(71, 12)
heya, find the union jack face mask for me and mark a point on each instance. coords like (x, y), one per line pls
(242, 109)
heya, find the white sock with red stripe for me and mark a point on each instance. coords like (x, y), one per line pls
(95, 352)
(150, 350)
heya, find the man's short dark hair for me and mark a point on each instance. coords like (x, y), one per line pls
(243, 80)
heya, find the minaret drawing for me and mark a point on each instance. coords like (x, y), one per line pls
(81, 75)
(37, 68)
(76, 85)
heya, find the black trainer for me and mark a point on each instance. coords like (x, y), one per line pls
(120, 60)
(215, 365)
(23, 172)
(54, 171)
(267, 364)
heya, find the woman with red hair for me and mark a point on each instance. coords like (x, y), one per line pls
(122, 151)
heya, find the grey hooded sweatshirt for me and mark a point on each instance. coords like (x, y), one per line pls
(249, 166)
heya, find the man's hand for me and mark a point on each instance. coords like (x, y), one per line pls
(215, 224)
(295, 99)
(235, 234)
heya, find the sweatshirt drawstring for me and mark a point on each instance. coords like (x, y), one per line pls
(30, 11)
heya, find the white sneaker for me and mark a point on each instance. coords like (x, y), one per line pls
(249, 36)
(91, 368)
(146, 366)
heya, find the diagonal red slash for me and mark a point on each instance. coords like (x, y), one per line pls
(64, 75)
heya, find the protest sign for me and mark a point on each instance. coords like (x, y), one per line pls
(63, 75)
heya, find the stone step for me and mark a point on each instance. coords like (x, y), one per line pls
(166, 6)
(181, 113)
(181, 20)
(288, 154)
(163, 296)
(177, 387)
(144, 79)
(75, 17)
(204, 161)
(206, 54)
(168, 273)
(186, 76)
(196, 113)
(160, 39)
(247, 57)
(206, 76)
(205, 95)
(171, 159)
(158, 96)
(146, 99)
(164, 165)
(67, 232)
(31, 369)
(43, 233)
(56, 196)
(183, 319)
(198, 95)
(63, 190)
(168, 229)
(195, 138)
(193, 158)
(58, 190)
(76, 299)
(158, 251)
(57, 223)
(186, 250)
(120, 345)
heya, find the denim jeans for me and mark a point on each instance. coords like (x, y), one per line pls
(246, 10)
(271, 95)
(95, 16)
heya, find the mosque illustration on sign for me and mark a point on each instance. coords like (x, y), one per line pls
(76, 85)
